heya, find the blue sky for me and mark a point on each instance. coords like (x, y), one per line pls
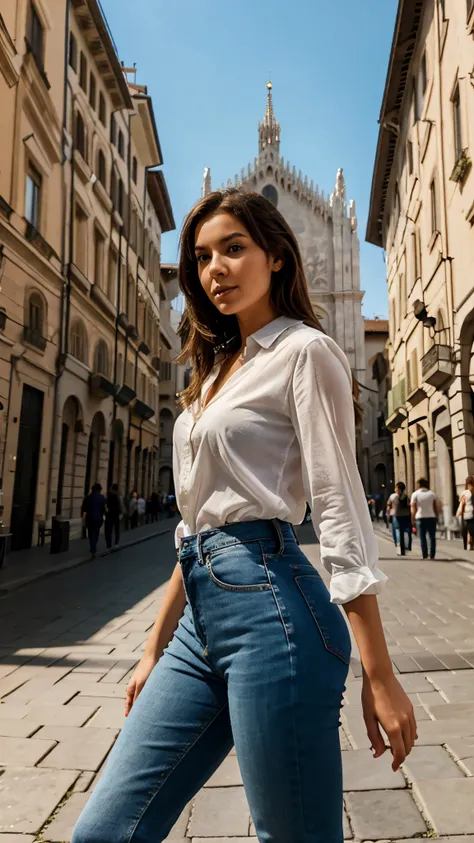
(206, 63)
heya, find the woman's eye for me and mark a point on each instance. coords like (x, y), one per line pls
(201, 258)
(236, 246)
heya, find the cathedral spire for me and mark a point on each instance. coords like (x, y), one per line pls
(206, 183)
(268, 128)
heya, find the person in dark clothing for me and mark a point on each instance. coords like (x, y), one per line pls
(115, 510)
(402, 518)
(94, 509)
(154, 506)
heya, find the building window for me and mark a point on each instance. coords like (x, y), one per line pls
(101, 168)
(113, 129)
(403, 296)
(165, 370)
(72, 52)
(470, 7)
(92, 91)
(35, 314)
(113, 187)
(131, 300)
(101, 359)
(78, 341)
(102, 111)
(135, 170)
(80, 135)
(410, 157)
(35, 35)
(423, 74)
(112, 276)
(33, 196)
(433, 207)
(121, 198)
(396, 205)
(99, 253)
(457, 123)
(83, 72)
(80, 239)
(121, 144)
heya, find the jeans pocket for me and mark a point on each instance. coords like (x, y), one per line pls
(326, 615)
(240, 567)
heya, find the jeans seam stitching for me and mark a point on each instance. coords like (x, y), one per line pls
(178, 761)
(329, 647)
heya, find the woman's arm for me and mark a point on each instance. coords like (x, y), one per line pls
(321, 409)
(384, 700)
(160, 636)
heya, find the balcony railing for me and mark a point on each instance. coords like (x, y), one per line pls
(437, 365)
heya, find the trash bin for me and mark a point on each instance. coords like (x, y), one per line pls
(4, 546)
(59, 535)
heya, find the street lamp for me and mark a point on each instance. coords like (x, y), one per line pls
(421, 313)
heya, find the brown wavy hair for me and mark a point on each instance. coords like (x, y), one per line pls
(203, 329)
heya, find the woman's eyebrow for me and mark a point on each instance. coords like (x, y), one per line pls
(222, 241)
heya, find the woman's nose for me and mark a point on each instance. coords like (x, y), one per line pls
(217, 265)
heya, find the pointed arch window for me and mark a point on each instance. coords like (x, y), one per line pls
(101, 358)
(78, 345)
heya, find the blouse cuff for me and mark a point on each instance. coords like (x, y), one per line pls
(347, 585)
(179, 533)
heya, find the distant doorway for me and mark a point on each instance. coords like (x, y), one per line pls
(26, 471)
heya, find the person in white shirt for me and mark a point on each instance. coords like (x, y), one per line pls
(425, 508)
(466, 512)
(249, 647)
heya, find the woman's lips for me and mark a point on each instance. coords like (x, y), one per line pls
(224, 292)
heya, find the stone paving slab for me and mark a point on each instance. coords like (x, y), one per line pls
(432, 732)
(109, 717)
(227, 775)
(60, 715)
(16, 838)
(85, 752)
(8, 711)
(384, 814)
(453, 711)
(430, 762)
(29, 796)
(17, 728)
(178, 832)
(221, 812)
(23, 752)
(362, 772)
(62, 827)
(447, 803)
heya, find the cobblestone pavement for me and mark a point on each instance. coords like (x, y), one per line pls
(69, 644)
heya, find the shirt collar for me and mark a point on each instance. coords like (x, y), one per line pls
(266, 336)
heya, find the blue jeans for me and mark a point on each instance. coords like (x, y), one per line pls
(259, 659)
(395, 534)
(401, 524)
(427, 527)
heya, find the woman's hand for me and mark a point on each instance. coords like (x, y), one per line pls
(138, 679)
(385, 703)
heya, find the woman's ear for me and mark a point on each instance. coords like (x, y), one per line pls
(277, 264)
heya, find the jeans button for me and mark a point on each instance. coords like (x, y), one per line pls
(186, 544)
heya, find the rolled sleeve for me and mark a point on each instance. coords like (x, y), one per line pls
(322, 411)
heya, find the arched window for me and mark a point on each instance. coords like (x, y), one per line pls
(36, 313)
(101, 358)
(271, 193)
(121, 144)
(135, 170)
(79, 341)
(101, 168)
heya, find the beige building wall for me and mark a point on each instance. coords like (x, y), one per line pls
(421, 209)
(82, 288)
(377, 460)
(31, 209)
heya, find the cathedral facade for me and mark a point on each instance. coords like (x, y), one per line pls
(326, 228)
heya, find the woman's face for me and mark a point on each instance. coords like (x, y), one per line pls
(234, 272)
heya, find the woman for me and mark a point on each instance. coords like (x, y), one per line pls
(402, 517)
(466, 511)
(259, 654)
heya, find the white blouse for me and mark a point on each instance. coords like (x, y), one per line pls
(281, 432)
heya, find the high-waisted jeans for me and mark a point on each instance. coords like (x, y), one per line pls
(259, 660)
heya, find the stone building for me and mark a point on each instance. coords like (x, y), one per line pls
(326, 228)
(377, 459)
(422, 214)
(82, 212)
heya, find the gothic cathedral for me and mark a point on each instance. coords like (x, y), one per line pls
(326, 229)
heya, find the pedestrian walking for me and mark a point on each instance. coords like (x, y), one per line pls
(249, 647)
(133, 509)
(115, 511)
(141, 510)
(402, 518)
(466, 512)
(154, 506)
(390, 511)
(94, 508)
(425, 508)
